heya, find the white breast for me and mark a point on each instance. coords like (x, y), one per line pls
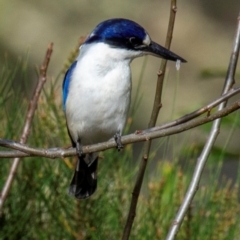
(99, 94)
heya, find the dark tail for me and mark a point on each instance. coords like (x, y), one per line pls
(84, 182)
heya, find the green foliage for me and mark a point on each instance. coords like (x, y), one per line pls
(38, 205)
(212, 73)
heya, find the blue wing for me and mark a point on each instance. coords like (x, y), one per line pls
(66, 83)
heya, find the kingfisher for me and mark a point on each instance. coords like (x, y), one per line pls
(97, 92)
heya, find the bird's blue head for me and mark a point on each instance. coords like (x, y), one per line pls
(126, 34)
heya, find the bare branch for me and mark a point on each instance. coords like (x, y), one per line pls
(229, 81)
(27, 125)
(139, 136)
(208, 108)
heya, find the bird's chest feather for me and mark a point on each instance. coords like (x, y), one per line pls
(98, 101)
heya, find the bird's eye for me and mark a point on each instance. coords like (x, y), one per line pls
(135, 42)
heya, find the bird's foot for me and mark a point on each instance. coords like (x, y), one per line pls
(117, 138)
(79, 148)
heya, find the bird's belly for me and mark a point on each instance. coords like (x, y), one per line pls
(101, 113)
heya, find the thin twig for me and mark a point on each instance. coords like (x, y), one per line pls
(208, 108)
(229, 81)
(27, 125)
(155, 112)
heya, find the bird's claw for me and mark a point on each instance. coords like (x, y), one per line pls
(117, 138)
(79, 148)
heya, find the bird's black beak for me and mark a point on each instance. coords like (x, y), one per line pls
(159, 51)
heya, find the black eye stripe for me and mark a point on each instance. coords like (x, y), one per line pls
(135, 41)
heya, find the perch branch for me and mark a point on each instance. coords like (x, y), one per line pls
(139, 136)
(26, 151)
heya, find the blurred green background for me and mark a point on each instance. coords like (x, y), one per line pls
(38, 206)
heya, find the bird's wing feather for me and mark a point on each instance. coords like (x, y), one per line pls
(66, 83)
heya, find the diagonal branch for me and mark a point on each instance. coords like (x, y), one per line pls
(139, 136)
(229, 81)
(56, 152)
(27, 125)
(208, 108)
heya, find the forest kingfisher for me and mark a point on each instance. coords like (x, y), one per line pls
(97, 92)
